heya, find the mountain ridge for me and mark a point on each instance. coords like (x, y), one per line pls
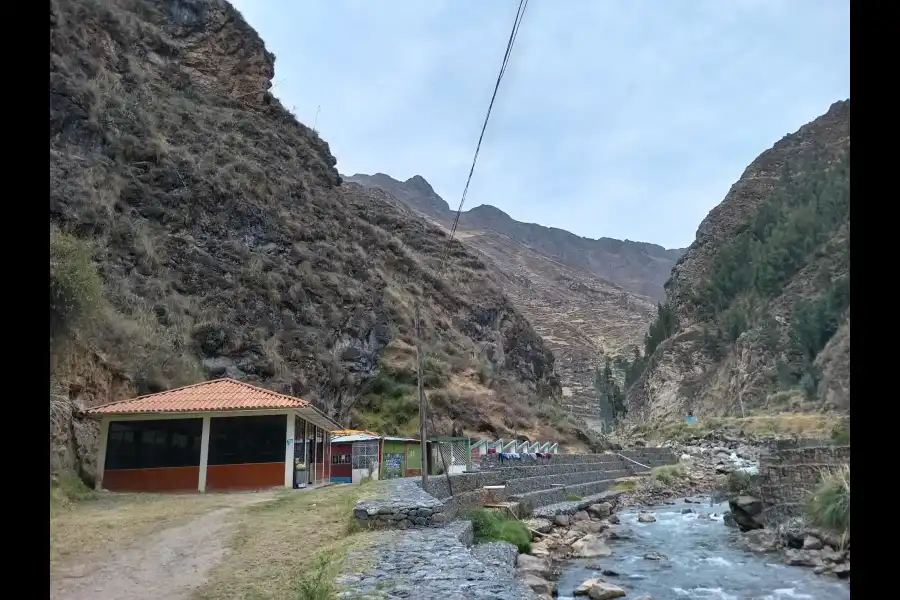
(584, 310)
(757, 311)
(417, 193)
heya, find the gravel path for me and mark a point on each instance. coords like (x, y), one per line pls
(433, 564)
(166, 565)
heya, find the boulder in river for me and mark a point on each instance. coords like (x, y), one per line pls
(646, 517)
(747, 512)
(600, 510)
(526, 563)
(614, 519)
(539, 584)
(561, 520)
(591, 546)
(605, 591)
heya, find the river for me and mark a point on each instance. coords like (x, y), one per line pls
(702, 562)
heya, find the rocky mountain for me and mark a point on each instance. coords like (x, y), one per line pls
(198, 230)
(757, 311)
(586, 298)
(638, 267)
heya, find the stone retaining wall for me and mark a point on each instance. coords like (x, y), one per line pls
(788, 475)
(666, 456)
(401, 503)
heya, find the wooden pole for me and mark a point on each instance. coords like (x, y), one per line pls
(422, 409)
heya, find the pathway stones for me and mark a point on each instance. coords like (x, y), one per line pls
(432, 564)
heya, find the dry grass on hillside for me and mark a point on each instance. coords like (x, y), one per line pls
(804, 425)
(226, 245)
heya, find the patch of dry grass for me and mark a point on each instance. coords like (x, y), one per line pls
(626, 484)
(85, 523)
(669, 474)
(289, 548)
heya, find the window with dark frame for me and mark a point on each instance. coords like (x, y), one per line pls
(340, 459)
(245, 440)
(153, 444)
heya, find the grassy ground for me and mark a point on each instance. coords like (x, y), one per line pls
(288, 547)
(84, 522)
(291, 547)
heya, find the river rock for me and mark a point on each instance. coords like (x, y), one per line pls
(618, 532)
(600, 510)
(800, 558)
(591, 526)
(759, 540)
(842, 570)
(591, 546)
(812, 543)
(614, 519)
(655, 556)
(646, 517)
(561, 520)
(539, 525)
(747, 512)
(539, 584)
(540, 549)
(605, 591)
(526, 563)
(585, 587)
(581, 516)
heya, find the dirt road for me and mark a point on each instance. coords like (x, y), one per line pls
(166, 565)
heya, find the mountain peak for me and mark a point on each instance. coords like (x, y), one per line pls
(420, 184)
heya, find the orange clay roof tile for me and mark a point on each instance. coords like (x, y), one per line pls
(216, 395)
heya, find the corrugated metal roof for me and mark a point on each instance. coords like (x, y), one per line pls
(212, 396)
(354, 437)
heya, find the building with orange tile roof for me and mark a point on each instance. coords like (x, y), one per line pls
(216, 435)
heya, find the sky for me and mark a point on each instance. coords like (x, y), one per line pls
(615, 118)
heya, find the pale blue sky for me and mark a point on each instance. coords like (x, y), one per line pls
(620, 118)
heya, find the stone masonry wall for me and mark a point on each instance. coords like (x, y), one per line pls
(787, 475)
(401, 503)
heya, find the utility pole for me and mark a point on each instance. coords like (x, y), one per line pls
(422, 407)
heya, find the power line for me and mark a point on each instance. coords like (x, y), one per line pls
(523, 4)
(423, 406)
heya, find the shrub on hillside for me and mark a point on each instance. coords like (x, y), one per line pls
(829, 504)
(75, 286)
(668, 474)
(492, 526)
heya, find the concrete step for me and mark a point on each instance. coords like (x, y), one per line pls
(545, 497)
(520, 471)
(544, 482)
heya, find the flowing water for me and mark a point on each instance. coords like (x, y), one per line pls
(703, 562)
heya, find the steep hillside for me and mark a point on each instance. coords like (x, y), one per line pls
(582, 316)
(638, 267)
(198, 230)
(757, 316)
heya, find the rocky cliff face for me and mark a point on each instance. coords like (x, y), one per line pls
(198, 230)
(757, 309)
(587, 298)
